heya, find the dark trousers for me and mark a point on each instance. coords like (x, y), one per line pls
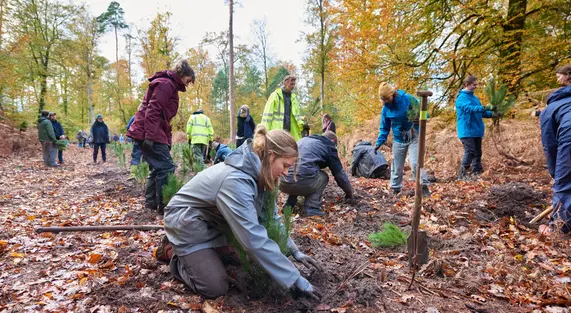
(160, 165)
(239, 142)
(311, 188)
(202, 271)
(103, 151)
(472, 155)
(60, 156)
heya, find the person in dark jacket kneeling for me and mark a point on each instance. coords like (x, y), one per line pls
(229, 197)
(222, 151)
(315, 153)
(367, 162)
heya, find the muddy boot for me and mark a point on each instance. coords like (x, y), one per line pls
(163, 253)
(396, 192)
(464, 173)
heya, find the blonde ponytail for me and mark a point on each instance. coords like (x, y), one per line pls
(277, 141)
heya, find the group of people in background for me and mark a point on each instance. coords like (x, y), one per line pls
(280, 153)
(49, 132)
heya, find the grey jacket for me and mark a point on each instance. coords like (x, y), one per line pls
(366, 163)
(226, 197)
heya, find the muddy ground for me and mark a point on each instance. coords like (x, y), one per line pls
(484, 257)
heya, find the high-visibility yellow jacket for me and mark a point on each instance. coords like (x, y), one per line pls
(273, 116)
(199, 129)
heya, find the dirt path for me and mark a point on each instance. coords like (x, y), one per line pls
(481, 258)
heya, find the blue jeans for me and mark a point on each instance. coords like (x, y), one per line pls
(136, 154)
(399, 156)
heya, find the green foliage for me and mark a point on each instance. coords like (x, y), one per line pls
(497, 96)
(173, 185)
(61, 144)
(277, 79)
(142, 173)
(23, 126)
(187, 159)
(390, 236)
(119, 151)
(413, 112)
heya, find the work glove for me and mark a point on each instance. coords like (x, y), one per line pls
(491, 108)
(306, 260)
(377, 147)
(304, 287)
(147, 145)
(496, 115)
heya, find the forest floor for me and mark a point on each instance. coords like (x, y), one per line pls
(484, 257)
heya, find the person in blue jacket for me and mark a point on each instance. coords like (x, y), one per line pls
(396, 104)
(137, 152)
(222, 151)
(59, 132)
(470, 127)
(555, 121)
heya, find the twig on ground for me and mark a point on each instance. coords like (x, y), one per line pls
(356, 272)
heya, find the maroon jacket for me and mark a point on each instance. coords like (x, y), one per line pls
(159, 106)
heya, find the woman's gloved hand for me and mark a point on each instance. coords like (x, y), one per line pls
(304, 287)
(306, 260)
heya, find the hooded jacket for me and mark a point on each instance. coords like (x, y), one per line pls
(394, 115)
(159, 106)
(199, 128)
(227, 197)
(45, 130)
(58, 129)
(246, 125)
(555, 123)
(365, 161)
(100, 132)
(469, 114)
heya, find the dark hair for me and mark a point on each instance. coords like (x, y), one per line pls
(182, 69)
(565, 69)
(470, 80)
(326, 116)
(45, 113)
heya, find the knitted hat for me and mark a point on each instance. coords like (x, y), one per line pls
(386, 90)
(99, 116)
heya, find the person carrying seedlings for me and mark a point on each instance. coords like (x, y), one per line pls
(222, 151)
(282, 110)
(327, 123)
(315, 153)
(47, 138)
(226, 199)
(100, 134)
(555, 121)
(246, 125)
(395, 115)
(59, 133)
(367, 162)
(152, 130)
(136, 154)
(200, 133)
(470, 127)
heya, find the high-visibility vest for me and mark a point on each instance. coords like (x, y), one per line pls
(199, 129)
(273, 116)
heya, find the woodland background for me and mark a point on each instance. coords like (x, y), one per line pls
(49, 58)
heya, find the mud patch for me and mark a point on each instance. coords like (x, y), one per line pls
(519, 200)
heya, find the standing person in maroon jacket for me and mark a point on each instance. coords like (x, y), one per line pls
(152, 130)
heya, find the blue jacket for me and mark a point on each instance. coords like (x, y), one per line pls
(317, 152)
(394, 115)
(58, 129)
(100, 132)
(469, 114)
(221, 154)
(556, 139)
(130, 122)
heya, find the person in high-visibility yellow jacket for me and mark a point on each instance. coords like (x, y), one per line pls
(200, 132)
(282, 110)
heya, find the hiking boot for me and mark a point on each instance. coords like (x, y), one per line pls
(161, 210)
(396, 192)
(163, 253)
(425, 191)
(313, 212)
(150, 206)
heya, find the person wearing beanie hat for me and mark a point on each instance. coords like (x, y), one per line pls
(47, 138)
(394, 115)
(100, 134)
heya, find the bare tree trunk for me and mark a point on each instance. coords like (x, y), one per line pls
(231, 74)
(91, 114)
(323, 53)
(510, 50)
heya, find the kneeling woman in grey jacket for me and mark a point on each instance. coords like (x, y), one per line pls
(230, 196)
